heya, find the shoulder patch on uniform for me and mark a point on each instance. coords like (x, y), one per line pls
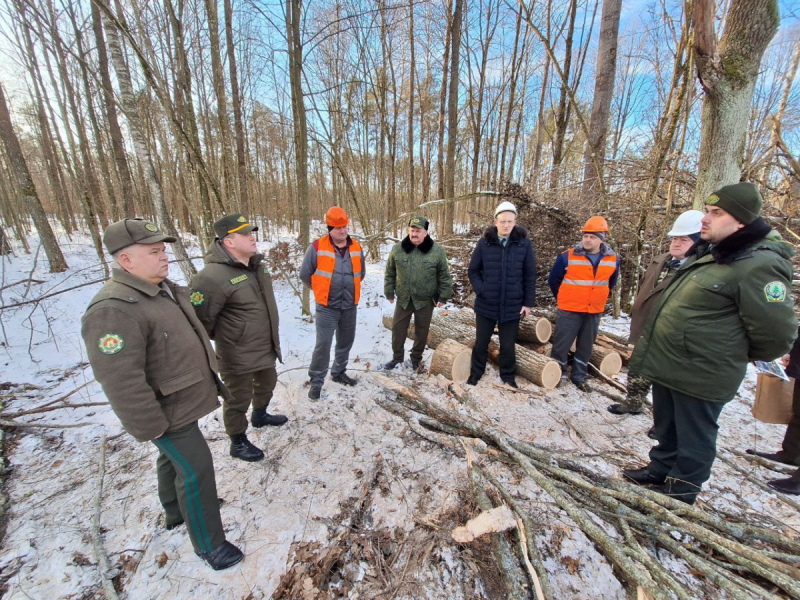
(151, 228)
(196, 298)
(775, 291)
(110, 343)
(238, 279)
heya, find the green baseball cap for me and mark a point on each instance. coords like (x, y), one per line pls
(420, 222)
(127, 232)
(234, 223)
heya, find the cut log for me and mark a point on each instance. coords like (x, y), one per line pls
(607, 361)
(452, 360)
(543, 349)
(442, 328)
(531, 365)
(534, 329)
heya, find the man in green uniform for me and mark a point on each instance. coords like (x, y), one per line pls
(151, 355)
(233, 298)
(418, 274)
(729, 304)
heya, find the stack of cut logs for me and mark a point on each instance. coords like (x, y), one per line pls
(452, 335)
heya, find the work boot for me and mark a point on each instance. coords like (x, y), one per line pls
(389, 366)
(581, 385)
(226, 555)
(261, 417)
(787, 486)
(243, 449)
(314, 392)
(643, 476)
(778, 456)
(344, 379)
(472, 380)
(415, 366)
(511, 383)
(621, 409)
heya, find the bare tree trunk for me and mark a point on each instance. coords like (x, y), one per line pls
(594, 156)
(515, 68)
(411, 77)
(443, 101)
(28, 190)
(564, 107)
(128, 104)
(727, 73)
(295, 44)
(452, 118)
(238, 123)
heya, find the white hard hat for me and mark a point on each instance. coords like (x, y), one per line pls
(687, 223)
(504, 207)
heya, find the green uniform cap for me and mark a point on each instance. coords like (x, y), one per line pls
(742, 200)
(234, 223)
(420, 222)
(127, 232)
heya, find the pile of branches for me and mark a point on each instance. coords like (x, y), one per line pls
(629, 525)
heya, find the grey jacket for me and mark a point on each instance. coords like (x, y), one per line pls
(151, 355)
(343, 290)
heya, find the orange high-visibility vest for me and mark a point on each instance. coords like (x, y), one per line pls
(583, 290)
(326, 262)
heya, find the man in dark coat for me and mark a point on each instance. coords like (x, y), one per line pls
(789, 454)
(502, 272)
(729, 304)
(158, 370)
(684, 233)
(233, 298)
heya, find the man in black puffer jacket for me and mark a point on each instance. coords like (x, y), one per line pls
(503, 274)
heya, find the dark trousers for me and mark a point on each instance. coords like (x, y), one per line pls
(569, 326)
(791, 439)
(246, 388)
(507, 332)
(330, 322)
(422, 323)
(187, 487)
(686, 430)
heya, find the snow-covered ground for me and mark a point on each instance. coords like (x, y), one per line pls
(277, 509)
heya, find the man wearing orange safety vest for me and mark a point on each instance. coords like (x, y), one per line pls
(581, 280)
(333, 268)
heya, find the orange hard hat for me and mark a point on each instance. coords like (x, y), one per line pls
(336, 217)
(595, 224)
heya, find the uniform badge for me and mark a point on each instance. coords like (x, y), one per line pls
(238, 279)
(775, 291)
(110, 343)
(242, 220)
(196, 298)
(712, 199)
(150, 227)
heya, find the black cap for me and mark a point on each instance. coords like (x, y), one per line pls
(234, 223)
(127, 232)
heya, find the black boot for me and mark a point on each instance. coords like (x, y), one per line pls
(243, 449)
(472, 380)
(643, 476)
(511, 382)
(787, 486)
(344, 379)
(314, 393)
(223, 557)
(621, 409)
(389, 366)
(261, 417)
(778, 456)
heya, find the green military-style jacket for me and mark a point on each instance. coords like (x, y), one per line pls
(236, 304)
(151, 355)
(417, 273)
(713, 319)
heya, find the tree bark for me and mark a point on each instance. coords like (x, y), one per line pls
(452, 119)
(727, 74)
(238, 122)
(27, 189)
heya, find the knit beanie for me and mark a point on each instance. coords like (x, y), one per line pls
(600, 234)
(742, 200)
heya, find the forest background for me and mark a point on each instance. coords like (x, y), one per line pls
(180, 111)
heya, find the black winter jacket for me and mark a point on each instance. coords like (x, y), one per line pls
(504, 279)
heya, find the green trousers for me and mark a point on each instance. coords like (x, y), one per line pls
(187, 487)
(422, 324)
(254, 388)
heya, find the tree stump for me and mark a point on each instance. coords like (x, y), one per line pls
(534, 329)
(609, 362)
(452, 360)
(541, 370)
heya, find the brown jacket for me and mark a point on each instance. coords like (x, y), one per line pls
(151, 355)
(649, 291)
(237, 306)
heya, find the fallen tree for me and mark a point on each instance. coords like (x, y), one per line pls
(631, 526)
